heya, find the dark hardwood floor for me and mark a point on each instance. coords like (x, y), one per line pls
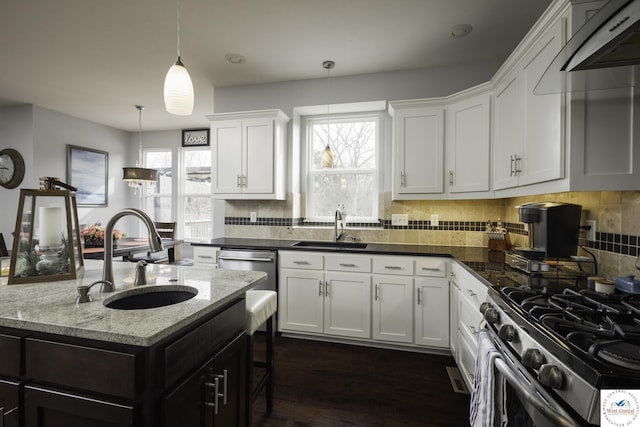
(326, 384)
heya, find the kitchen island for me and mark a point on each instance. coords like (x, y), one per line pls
(63, 363)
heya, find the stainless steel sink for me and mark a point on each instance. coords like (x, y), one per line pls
(150, 296)
(330, 245)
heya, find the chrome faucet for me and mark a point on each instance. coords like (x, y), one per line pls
(154, 241)
(338, 218)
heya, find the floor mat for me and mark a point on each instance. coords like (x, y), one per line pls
(457, 382)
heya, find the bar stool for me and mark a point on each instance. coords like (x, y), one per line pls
(261, 305)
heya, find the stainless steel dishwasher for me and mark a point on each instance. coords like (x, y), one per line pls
(252, 260)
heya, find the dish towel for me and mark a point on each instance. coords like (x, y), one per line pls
(487, 406)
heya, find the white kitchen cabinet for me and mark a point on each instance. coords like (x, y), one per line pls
(469, 143)
(453, 317)
(312, 299)
(393, 308)
(418, 148)
(249, 155)
(432, 312)
(528, 145)
(205, 255)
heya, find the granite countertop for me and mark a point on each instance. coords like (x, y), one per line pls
(461, 253)
(50, 306)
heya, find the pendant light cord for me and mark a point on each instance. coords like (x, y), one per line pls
(178, 26)
(140, 161)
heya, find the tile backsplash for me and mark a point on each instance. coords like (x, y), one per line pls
(461, 223)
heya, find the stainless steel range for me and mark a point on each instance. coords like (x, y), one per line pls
(561, 344)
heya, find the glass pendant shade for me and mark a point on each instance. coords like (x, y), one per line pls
(327, 158)
(178, 90)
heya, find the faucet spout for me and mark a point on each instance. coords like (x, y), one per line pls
(155, 241)
(338, 219)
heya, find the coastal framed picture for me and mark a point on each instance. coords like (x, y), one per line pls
(88, 171)
(195, 137)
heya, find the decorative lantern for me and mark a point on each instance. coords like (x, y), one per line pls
(46, 242)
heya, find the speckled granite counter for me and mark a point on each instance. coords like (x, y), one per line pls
(50, 307)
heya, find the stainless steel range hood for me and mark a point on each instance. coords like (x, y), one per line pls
(603, 54)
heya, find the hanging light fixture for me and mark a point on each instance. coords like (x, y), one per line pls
(139, 175)
(327, 156)
(178, 89)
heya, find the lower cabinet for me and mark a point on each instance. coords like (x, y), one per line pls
(213, 395)
(432, 312)
(393, 308)
(45, 407)
(9, 403)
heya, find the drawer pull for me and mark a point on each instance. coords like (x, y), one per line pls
(319, 288)
(205, 256)
(473, 329)
(326, 288)
(431, 268)
(224, 377)
(393, 267)
(344, 264)
(302, 262)
(418, 296)
(376, 293)
(471, 293)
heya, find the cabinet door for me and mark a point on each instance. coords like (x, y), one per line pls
(226, 137)
(508, 131)
(258, 156)
(418, 149)
(453, 318)
(393, 308)
(51, 408)
(432, 312)
(543, 148)
(469, 144)
(185, 406)
(229, 371)
(301, 299)
(9, 403)
(347, 306)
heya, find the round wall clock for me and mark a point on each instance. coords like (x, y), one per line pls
(11, 168)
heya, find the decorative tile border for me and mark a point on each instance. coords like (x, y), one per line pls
(617, 243)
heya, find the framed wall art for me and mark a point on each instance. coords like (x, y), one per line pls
(88, 170)
(195, 137)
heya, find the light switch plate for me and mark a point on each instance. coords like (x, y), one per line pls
(399, 219)
(253, 217)
(590, 235)
(435, 221)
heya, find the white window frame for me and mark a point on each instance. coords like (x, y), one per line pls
(379, 118)
(182, 196)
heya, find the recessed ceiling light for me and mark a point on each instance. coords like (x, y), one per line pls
(460, 30)
(235, 58)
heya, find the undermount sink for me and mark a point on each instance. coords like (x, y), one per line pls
(336, 245)
(150, 296)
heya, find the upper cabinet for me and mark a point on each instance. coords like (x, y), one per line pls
(528, 143)
(469, 143)
(418, 148)
(249, 155)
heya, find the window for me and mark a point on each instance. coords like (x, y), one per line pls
(197, 200)
(157, 198)
(352, 181)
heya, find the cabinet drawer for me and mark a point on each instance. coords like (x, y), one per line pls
(469, 318)
(302, 260)
(432, 267)
(205, 254)
(466, 360)
(91, 369)
(193, 348)
(393, 265)
(360, 264)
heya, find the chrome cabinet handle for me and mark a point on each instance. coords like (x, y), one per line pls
(430, 268)
(470, 292)
(224, 377)
(472, 329)
(326, 288)
(452, 274)
(418, 296)
(205, 256)
(214, 386)
(393, 267)
(376, 293)
(511, 165)
(450, 177)
(244, 180)
(301, 262)
(238, 183)
(517, 164)
(344, 264)
(319, 288)
(402, 174)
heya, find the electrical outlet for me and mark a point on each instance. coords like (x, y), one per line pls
(399, 219)
(253, 217)
(435, 221)
(590, 234)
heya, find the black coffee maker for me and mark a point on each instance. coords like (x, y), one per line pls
(553, 229)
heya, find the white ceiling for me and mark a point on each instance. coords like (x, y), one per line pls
(96, 59)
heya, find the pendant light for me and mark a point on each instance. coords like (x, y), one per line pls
(178, 89)
(139, 175)
(326, 160)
